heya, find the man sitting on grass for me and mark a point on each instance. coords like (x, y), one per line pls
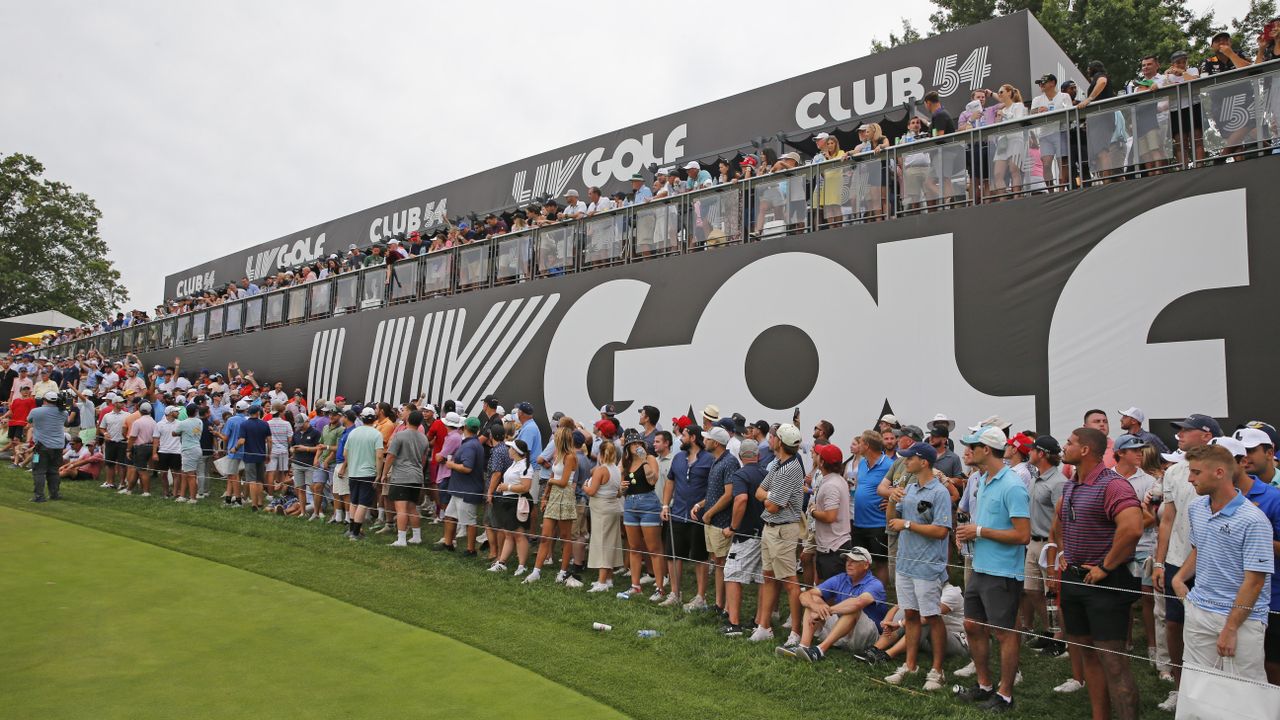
(286, 504)
(845, 610)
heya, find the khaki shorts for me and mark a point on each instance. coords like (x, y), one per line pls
(717, 543)
(779, 549)
(582, 523)
(341, 485)
(1035, 575)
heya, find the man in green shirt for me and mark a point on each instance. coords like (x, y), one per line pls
(324, 463)
(362, 456)
(189, 431)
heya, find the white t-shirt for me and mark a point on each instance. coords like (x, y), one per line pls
(1060, 101)
(602, 205)
(953, 598)
(513, 473)
(578, 208)
(113, 425)
(170, 441)
(1013, 112)
(1179, 491)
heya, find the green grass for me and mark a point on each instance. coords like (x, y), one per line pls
(689, 672)
(132, 630)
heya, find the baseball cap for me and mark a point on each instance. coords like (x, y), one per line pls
(1252, 437)
(605, 427)
(821, 136)
(692, 165)
(429, 408)
(994, 421)
(1135, 413)
(1047, 77)
(1129, 442)
(662, 171)
(789, 435)
(726, 423)
(242, 405)
(920, 450)
(608, 409)
(711, 412)
(1197, 421)
(681, 422)
(368, 412)
(1235, 446)
(790, 156)
(912, 431)
(989, 435)
(1022, 443)
(144, 407)
(1267, 428)
(749, 448)
(762, 426)
(829, 453)
(171, 410)
(889, 418)
(857, 552)
(718, 434)
(520, 447)
(1176, 456)
(579, 438)
(525, 408)
(453, 420)
(51, 396)
(571, 193)
(491, 400)
(473, 423)
(1047, 443)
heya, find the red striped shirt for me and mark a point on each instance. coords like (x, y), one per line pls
(1089, 508)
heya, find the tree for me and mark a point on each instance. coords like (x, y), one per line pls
(1245, 30)
(909, 35)
(54, 258)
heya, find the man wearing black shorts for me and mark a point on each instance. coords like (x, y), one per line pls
(687, 486)
(868, 506)
(1000, 531)
(401, 473)
(112, 428)
(252, 444)
(1097, 525)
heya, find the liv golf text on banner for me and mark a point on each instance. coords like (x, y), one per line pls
(1151, 292)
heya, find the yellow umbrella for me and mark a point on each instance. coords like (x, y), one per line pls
(36, 337)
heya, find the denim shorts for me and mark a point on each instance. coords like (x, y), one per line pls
(643, 510)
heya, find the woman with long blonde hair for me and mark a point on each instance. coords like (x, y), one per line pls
(603, 489)
(559, 509)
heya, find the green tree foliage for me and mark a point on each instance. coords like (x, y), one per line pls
(909, 35)
(54, 258)
(1117, 32)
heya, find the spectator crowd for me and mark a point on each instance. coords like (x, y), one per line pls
(903, 544)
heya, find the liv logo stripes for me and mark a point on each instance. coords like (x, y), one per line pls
(326, 357)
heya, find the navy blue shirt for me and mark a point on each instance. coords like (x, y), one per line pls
(746, 480)
(254, 432)
(690, 483)
(469, 487)
(717, 478)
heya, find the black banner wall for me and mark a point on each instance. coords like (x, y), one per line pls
(1148, 292)
(1014, 49)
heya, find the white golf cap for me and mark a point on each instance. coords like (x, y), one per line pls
(994, 421)
(1251, 437)
(242, 405)
(692, 165)
(1235, 446)
(51, 396)
(788, 434)
(368, 412)
(429, 408)
(718, 434)
(1135, 413)
(821, 136)
(989, 435)
(1174, 457)
(889, 418)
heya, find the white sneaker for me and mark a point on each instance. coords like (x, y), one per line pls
(180, 499)
(656, 596)
(933, 680)
(968, 670)
(311, 517)
(400, 543)
(191, 501)
(561, 576)
(787, 625)
(123, 491)
(793, 640)
(415, 541)
(520, 570)
(646, 579)
(1017, 678)
(761, 634)
(1166, 676)
(1170, 703)
(697, 603)
(598, 587)
(902, 673)
(533, 576)
(1070, 686)
(672, 600)
(145, 494)
(572, 582)
(497, 567)
(548, 561)
(105, 485)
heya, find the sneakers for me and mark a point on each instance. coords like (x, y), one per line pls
(785, 652)
(646, 579)
(696, 604)
(561, 576)
(656, 596)
(415, 541)
(1170, 703)
(672, 600)
(123, 491)
(995, 703)
(1166, 676)
(599, 587)
(875, 655)
(572, 582)
(933, 680)
(1055, 648)
(497, 567)
(1017, 678)
(810, 654)
(628, 593)
(761, 634)
(1070, 686)
(976, 693)
(145, 494)
(520, 570)
(106, 485)
(180, 499)
(400, 543)
(442, 545)
(732, 630)
(787, 625)
(793, 640)
(902, 673)
(533, 576)
(967, 671)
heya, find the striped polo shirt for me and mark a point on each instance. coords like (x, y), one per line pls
(785, 485)
(1087, 515)
(1229, 542)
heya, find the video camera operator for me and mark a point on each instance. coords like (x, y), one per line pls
(46, 433)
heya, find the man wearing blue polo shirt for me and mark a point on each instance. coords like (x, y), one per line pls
(231, 441)
(1000, 532)
(1231, 556)
(868, 515)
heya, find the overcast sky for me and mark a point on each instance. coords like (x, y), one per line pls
(202, 129)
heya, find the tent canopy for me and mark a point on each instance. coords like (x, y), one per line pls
(36, 337)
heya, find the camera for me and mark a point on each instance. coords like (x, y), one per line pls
(66, 400)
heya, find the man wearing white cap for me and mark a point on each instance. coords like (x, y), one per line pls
(231, 440)
(1131, 422)
(573, 207)
(782, 492)
(112, 427)
(1260, 457)
(695, 177)
(45, 430)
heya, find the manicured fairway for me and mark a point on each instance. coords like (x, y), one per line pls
(97, 625)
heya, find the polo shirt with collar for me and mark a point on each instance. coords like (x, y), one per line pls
(921, 557)
(1087, 516)
(1000, 499)
(1267, 499)
(866, 501)
(1046, 491)
(840, 587)
(1228, 543)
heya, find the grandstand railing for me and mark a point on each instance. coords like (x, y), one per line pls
(1223, 118)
